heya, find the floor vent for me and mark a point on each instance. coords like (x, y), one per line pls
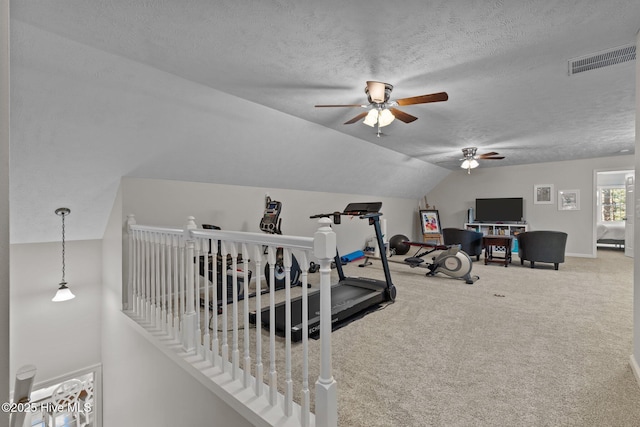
(605, 58)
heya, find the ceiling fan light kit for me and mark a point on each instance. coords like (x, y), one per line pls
(382, 111)
(380, 117)
(470, 164)
(372, 118)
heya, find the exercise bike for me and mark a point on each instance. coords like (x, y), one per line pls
(270, 223)
(451, 260)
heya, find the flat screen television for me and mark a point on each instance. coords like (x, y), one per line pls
(506, 209)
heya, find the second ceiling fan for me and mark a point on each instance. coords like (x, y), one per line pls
(382, 111)
(470, 159)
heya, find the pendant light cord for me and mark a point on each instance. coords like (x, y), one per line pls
(63, 251)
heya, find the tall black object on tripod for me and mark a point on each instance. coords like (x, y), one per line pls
(351, 297)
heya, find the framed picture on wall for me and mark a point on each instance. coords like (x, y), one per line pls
(543, 194)
(430, 221)
(569, 200)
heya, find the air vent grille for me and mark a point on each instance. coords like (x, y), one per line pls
(613, 56)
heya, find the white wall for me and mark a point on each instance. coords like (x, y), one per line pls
(4, 207)
(458, 191)
(56, 337)
(239, 208)
(635, 357)
(141, 386)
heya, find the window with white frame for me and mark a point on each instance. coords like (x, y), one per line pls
(612, 203)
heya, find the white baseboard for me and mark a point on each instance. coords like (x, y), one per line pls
(580, 255)
(635, 368)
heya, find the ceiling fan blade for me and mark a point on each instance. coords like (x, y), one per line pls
(356, 118)
(345, 105)
(423, 99)
(402, 116)
(492, 158)
(493, 153)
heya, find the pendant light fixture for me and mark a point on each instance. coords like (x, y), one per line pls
(64, 293)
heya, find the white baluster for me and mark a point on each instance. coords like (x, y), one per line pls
(129, 303)
(147, 276)
(156, 279)
(163, 283)
(224, 349)
(273, 374)
(288, 393)
(196, 296)
(175, 269)
(206, 340)
(326, 387)
(181, 284)
(235, 353)
(152, 282)
(168, 274)
(143, 274)
(305, 405)
(259, 368)
(215, 345)
(245, 292)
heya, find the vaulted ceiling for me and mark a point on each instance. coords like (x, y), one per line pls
(203, 91)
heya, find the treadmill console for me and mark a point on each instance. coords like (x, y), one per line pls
(270, 220)
(362, 208)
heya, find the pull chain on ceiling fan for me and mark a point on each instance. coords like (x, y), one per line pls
(382, 111)
(470, 159)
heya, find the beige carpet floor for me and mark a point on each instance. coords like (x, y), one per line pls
(520, 347)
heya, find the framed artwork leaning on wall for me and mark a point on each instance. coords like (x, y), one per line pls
(430, 221)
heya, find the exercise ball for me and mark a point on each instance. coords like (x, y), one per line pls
(398, 244)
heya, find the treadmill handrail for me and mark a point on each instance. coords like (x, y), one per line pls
(352, 213)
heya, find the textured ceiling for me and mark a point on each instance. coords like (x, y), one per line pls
(503, 64)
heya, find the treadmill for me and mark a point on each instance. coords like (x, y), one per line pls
(351, 297)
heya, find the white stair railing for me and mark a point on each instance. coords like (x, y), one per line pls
(170, 291)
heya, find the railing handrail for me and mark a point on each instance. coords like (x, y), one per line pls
(294, 242)
(156, 229)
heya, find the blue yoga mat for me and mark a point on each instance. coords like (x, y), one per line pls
(352, 256)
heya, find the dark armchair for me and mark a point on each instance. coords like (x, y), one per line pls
(542, 246)
(470, 241)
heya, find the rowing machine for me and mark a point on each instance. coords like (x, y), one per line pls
(451, 260)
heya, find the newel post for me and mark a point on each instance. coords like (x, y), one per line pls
(190, 317)
(324, 248)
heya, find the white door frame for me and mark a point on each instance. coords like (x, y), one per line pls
(595, 204)
(629, 186)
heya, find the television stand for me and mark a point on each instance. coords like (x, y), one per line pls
(499, 229)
